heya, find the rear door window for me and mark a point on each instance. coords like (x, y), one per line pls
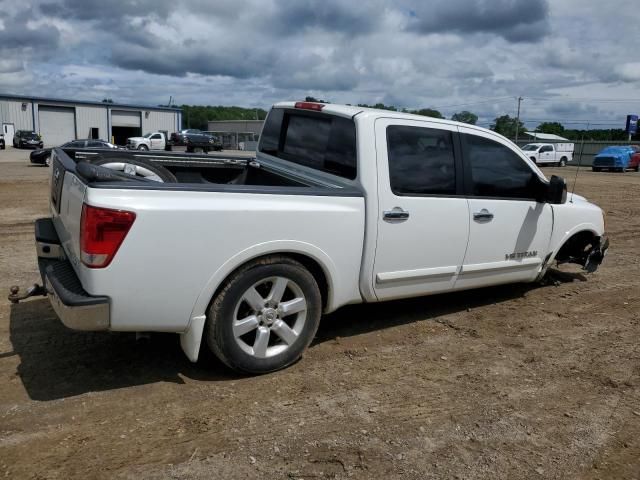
(421, 161)
(323, 142)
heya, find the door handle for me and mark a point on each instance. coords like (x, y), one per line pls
(396, 213)
(483, 214)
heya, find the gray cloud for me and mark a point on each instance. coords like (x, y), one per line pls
(410, 53)
(18, 35)
(352, 18)
(514, 20)
(96, 10)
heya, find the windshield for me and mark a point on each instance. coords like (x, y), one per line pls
(530, 147)
(147, 135)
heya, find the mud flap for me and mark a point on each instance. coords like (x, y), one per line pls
(596, 255)
(190, 340)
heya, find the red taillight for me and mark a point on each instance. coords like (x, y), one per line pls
(310, 106)
(102, 231)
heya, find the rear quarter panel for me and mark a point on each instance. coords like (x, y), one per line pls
(183, 244)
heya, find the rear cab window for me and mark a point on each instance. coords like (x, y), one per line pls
(421, 161)
(326, 143)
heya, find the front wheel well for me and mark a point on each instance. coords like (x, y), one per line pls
(576, 247)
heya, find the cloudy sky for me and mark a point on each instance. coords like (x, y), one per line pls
(570, 59)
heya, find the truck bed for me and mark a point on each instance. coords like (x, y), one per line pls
(188, 234)
(208, 172)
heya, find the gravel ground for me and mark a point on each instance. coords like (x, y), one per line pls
(521, 381)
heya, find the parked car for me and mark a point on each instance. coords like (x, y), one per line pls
(615, 158)
(177, 138)
(634, 162)
(201, 142)
(27, 138)
(550, 153)
(2, 144)
(341, 205)
(43, 156)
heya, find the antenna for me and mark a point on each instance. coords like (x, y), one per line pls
(575, 180)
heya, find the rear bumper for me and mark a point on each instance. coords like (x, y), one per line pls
(74, 306)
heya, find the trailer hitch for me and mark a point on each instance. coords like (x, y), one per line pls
(33, 291)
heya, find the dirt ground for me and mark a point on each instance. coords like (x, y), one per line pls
(524, 381)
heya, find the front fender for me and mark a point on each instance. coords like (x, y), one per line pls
(559, 243)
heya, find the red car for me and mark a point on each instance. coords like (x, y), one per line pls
(634, 163)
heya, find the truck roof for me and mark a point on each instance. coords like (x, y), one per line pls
(350, 111)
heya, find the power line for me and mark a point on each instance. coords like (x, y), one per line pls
(592, 122)
(488, 100)
(584, 99)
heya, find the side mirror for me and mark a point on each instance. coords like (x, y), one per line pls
(557, 190)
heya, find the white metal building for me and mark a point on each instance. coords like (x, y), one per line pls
(59, 121)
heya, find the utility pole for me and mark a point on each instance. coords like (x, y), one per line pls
(518, 118)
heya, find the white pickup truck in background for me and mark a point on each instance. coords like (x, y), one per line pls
(149, 141)
(549, 153)
(341, 205)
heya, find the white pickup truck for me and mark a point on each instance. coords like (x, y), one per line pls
(549, 153)
(341, 205)
(149, 141)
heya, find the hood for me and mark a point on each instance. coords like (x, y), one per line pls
(575, 198)
(136, 139)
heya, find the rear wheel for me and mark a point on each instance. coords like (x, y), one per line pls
(562, 162)
(137, 167)
(637, 169)
(265, 316)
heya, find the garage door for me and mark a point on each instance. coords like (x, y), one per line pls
(124, 118)
(57, 125)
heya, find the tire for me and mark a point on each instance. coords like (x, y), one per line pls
(533, 159)
(142, 168)
(595, 169)
(3, 146)
(47, 161)
(562, 162)
(189, 149)
(637, 169)
(287, 337)
(143, 148)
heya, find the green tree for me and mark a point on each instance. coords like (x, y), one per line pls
(427, 112)
(379, 106)
(555, 128)
(465, 117)
(506, 125)
(314, 99)
(198, 116)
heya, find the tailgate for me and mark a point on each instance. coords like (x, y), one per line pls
(67, 196)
